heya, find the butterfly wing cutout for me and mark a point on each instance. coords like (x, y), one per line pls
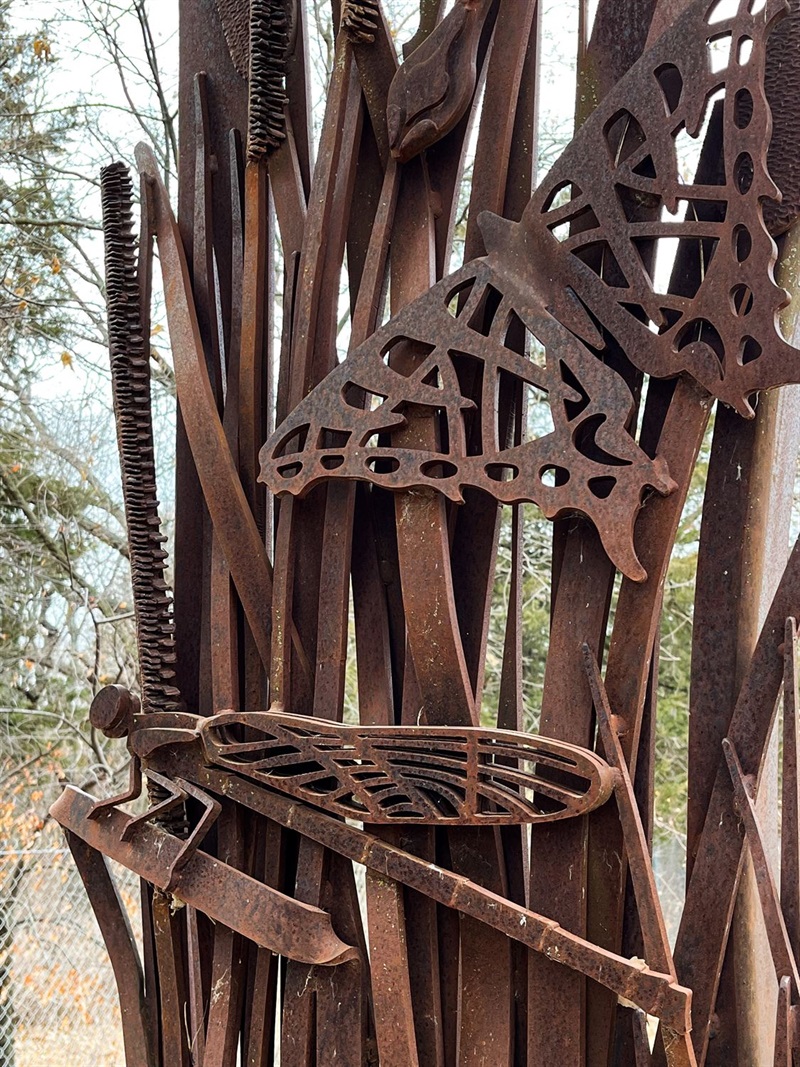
(411, 774)
(532, 318)
(618, 190)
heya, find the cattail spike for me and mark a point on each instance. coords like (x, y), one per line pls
(269, 43)
(130, 376)
(360, 20)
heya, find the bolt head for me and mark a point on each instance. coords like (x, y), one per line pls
(113, 709)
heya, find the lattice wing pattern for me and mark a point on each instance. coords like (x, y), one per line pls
(411, 774)
(615, 243)
(677, 269)
(463, 339)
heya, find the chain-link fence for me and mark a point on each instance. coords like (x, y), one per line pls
(58, 999)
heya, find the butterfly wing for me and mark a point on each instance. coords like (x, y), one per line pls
(411, 774)
(426, 360)
(589, 259)
(615, 212)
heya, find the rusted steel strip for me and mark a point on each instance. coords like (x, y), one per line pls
(313, 278)
(197, 1007)
(618, 38)
(312, 347)
(204, 289)
(224, 1013)
(652, 991)
(711, 894)
(224, 629)
(135, 1007)
(149, 965)
(260, 1035)
(311, 996)
(337, 542)
(422, 535)
(497, 157)
(510, 715)
(744, 803)
(631, 1039)
(298, 108)
(341, 1019)
(372, 625)
(233, 521)
(302, 527)
(377, 66)
(255, 374)
(202, 265)
(636, 622)
(228, 896)
(172, 985)
(641, 1040)
(281, 665)
(678, 1047)
(223, 602)
(202, 48)
(735, 582)
(644, 794)
(410, 947)
(337, 539)
(654, 930)
(227, 974)
(290, 204)
(790, 808)
(784, 1025)
(391, 987)
(445, 161)
(334, 597)
(721, 591)
(436, 650)
(430, 12)
(503, 157)
(580, 611)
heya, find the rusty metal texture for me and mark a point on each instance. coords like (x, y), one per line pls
(711, 894)
(653, 991)
(371, 773)
(123, 953)
(360, 20)
(129, 349)
(234, 16)
(335, 509)
(228, 896)
(782, 88)
(417, 774)
(269, 43)
(433, 88)
(587, 464)
(540, 276)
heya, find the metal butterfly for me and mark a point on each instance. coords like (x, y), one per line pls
(614, 252)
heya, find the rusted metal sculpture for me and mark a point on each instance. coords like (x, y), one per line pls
(509, 914)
